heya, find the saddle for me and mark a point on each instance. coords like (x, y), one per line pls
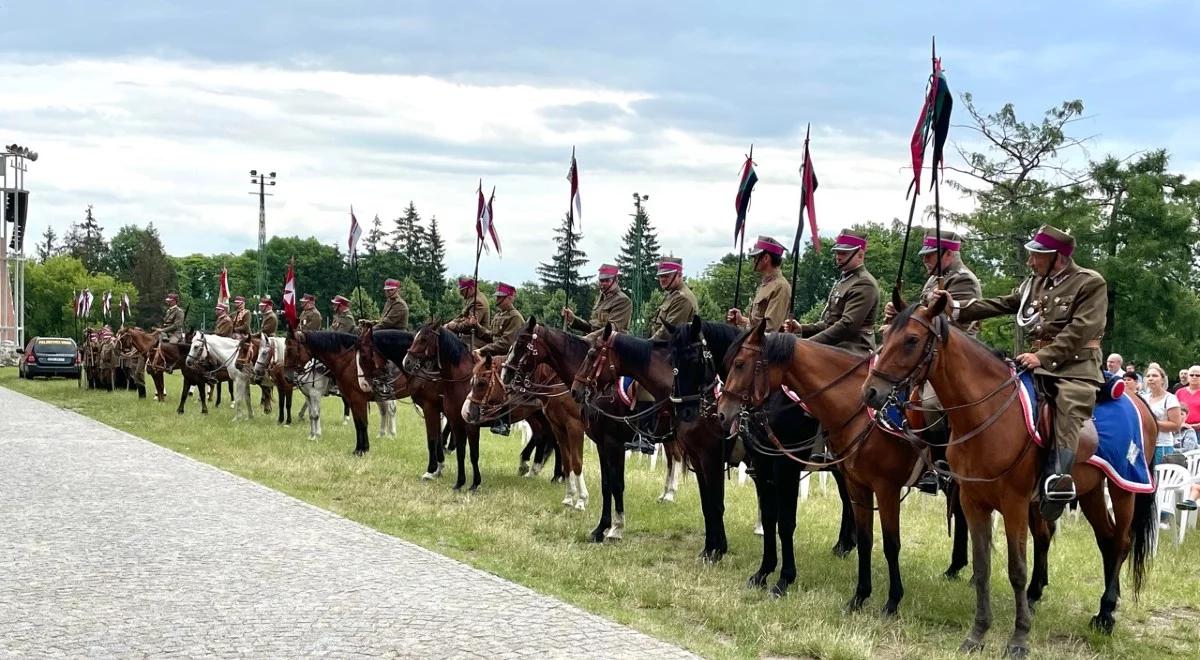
(1111, 390)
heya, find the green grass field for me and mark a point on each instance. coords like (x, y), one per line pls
(515, 527)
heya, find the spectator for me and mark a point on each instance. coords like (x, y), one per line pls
(1133, 382)
(1131, 368)
(1182, 382)
(1189, 399)
(1114, 363)
(1165, 407)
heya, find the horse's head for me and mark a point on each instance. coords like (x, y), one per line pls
(247, 354)
(423, 354)
(527, 351)
(295, 356)
(487, 392)
(599, 368)
(266, 356)
(198, 350)
(695, 372)
(754, 371)
(908, 352)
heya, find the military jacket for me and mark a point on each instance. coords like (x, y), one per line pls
(504, 326)
(343, 322)
(478, 307)
(224, 326)
(614, 307)
(772, 301)
(172, 325)
(395, 315)
(241, 323)
(310, 319)
(270, 323)
(963, 287)
(1063, 316)
(677, 308)
(849, 318)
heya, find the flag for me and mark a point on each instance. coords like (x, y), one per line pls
(106, 305)
(808, 186)
(355, 233)
(87, 303)
(125, 307)
(484, 223)
(742, 202)
(934, 121)
(289, 296)
(575, 206)
(223, 290)
(75, 298)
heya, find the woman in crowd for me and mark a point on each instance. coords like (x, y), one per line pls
(1165, 407)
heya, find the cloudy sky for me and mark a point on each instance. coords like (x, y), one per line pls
(153, 112)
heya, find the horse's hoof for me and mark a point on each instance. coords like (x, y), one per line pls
(757, 581)
(360, 452)
(952, 574)
(581, 505)
(842, 551)
(781, 588)
(428, 476)
(1016, 651)
(711, 557)
(597, 536)
(890, 609)
(970, 646)
(567, 501)
(475, 488)
(178, 412)
(522, 469)
(1102, 624)
(666, 497)
(855, 604)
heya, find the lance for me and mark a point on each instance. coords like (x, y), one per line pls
(937, 186)
(567, 267)
(804, 192)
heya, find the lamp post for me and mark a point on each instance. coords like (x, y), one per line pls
(262, 180)
(14, 204)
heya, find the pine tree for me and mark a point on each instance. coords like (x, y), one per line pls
(639, 256)
(435, 265)
(152, 274)
(374, 237)
(409, 240)
(563, 273)
(85, 242)
(47, 249)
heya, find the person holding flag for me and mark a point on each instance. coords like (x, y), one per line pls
(474, 314)
(270, 321)
(241, 318)
(773, 299)
(395, 309)
(171, 328)
(310, 317)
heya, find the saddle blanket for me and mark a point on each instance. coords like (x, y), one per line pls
(1119, 454)
(627, 391)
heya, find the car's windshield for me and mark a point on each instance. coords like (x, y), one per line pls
(54, 346)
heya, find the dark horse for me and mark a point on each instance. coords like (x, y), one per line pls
(162, 356)
(338, 351)
(999, 469)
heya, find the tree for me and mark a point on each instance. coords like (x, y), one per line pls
(409, 240)
(562, 271)
(362, 306)
(85, 241)
(434, 275)
(141, 260)
(47, 248)
(374, 237)
(638, 259)
(50, 290)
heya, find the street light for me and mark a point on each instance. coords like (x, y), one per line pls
(262, 181)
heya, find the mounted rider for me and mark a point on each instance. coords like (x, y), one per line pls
(270, 320)
(612, 305)
(342, 321)
(395, 309)
(224, 326)
(1063, 309)
(474, 314)
(504, 326)
(679, 304)
(773, 299)
(310, 318)
(241, 318)
(848, 321)
(171, 328)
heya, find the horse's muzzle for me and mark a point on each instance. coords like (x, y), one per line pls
(875, 396)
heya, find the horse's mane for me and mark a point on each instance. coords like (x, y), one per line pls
(326, 341)
(451, 349)
(394, 344)
(635, 351)
(720, 337)
(905, 315)
(778, 347)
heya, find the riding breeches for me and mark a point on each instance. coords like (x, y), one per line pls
(1074, 402)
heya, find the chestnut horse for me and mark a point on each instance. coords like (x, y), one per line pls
(999, 469)
(338, 351)
(163, 356)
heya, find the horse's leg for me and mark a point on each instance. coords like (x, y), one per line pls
(285, 393)
(674, 471)
(527, 453)
(979, 522)
(714, 491)
(958, 552)
(312, 402)
(787, 488)
(201, 387)
(160, 392)
(768, 512)
(617, 442)
(606, 495)
(1016, 527)
(433, 434)
(473, 440)
(846, 531)
(183, 394)
(1042, 532)
(346, 410)
(575, 456)
(243, 389)
(459, 432)
(888, 499)
(862, 501)
(1113, 548)
(359, 410)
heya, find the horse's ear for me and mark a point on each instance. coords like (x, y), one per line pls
(608, 330)
(759, 331)
(938, 306)
(531, 323)
(897, 301)
(697, 325)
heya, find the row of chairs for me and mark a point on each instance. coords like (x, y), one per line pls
(1173, 485)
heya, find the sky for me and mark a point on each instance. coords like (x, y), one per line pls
(156, 112)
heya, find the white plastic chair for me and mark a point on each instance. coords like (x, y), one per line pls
(1170, 482)
(1188, 518)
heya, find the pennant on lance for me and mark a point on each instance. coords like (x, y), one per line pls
(485, 225)
(741, 203)
(575, 207)
(289, 296)
(934, 121)
(355, 233)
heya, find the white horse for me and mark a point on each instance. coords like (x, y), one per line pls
(221, 353)
(315, 382)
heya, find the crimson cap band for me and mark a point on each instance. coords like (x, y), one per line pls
(465, 283)
(266, 302)
(670, 265)
(308, 297)
(608, 271)
(390, 284)
(503, 289)
(766, 244)
(950, 242)
(240, 299)
(1050, 239)
(850, 240)
(340, 300)
(172, 296)
(223, 306)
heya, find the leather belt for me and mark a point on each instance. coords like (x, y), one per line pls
(1039, 344)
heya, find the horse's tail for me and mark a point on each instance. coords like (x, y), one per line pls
(1143, 529)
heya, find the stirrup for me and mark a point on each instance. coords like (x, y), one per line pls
(928, 483)
(822, 458)
(500, 428)
(1053, 495)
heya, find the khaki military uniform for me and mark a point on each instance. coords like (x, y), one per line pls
(270, 323)
(172, 325)
(395, 315)
(310, 319)
(1065, 317)
(478, 307)
(772, 301)
(849, 318)
(963, 287)
(224, 326)
(241, 323)
(500, 332)
(677, 308)
(343, 322)
(613, 307)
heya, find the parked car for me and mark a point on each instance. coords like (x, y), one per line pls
(49, 357)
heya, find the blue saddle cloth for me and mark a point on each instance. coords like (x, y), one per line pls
(1119, 454)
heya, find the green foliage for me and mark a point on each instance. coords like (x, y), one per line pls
(50, 290)
(85, 241)
(362, 306)
(639, 255)
(418, 306)
(562, 272)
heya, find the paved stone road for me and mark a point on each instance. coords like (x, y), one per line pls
(111, 546)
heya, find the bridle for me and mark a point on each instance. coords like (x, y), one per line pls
(204, 356)
(423, 361)
(706, 399)
(936, 336)
(600, 359)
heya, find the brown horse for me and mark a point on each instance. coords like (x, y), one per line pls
(999, 469)
(162, 356)
(338, 351)
(266, 354)
(489, 400)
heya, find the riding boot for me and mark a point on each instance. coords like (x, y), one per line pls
(501, 426)
(640, 441)
(928, 483)
(1058, 489)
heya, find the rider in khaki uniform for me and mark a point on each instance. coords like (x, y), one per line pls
(270, 321)
(171, 328)
(310, 318)
(395, 309)
(504, 325)
(1062, 308)
(474, 314)
(224, 327)
(342, 321)
(612, 305)
(849, 318)
(773, 300)
(679, 305)
(241, 318)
